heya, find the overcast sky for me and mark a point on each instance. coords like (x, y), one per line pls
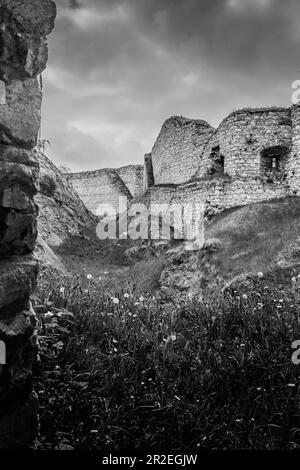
(118, 68)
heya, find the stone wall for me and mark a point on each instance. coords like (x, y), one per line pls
(293, 163)
(229, 166)
(132, 176)
(218, 195)
(178, 149)
(108, 185)
(24, 27)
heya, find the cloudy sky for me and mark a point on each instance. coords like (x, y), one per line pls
(118, 68)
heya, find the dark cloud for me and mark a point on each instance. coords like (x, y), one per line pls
(118, 68)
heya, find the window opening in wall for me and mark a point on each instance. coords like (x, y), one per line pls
(273, 161)
(217, 161)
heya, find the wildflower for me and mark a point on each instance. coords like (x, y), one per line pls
(86, 291)
(260, 274)
(173, 337)
(136, 304)
(126, 296)
(245, 297)
(89, 277)
(294, 280)
(242, 345)
(48, 315)
(134, 316)
(291, 385)
(115, 300)
(62, 290)
(142, 299)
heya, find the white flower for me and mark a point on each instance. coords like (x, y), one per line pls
(86, 291)
(126, 296)
(89, 276)
(260, 274)
(49, 315)
(62, 290)
(142, 299)
(115, 300)
(245, 297)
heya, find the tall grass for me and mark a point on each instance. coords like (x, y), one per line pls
(129, 372)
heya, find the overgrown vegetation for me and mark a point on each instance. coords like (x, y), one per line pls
(124, 372)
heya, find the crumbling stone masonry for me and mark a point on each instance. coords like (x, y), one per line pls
(253, 156)
(106, 186)
(24, 26)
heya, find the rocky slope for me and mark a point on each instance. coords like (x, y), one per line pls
(62, 214)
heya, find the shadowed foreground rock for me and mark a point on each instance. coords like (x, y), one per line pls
(24, 25)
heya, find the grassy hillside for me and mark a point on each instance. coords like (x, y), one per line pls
(259, 238)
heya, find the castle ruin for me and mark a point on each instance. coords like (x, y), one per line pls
(253, 156)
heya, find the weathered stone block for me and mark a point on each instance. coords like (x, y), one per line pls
(17, 281)
(20, 117)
